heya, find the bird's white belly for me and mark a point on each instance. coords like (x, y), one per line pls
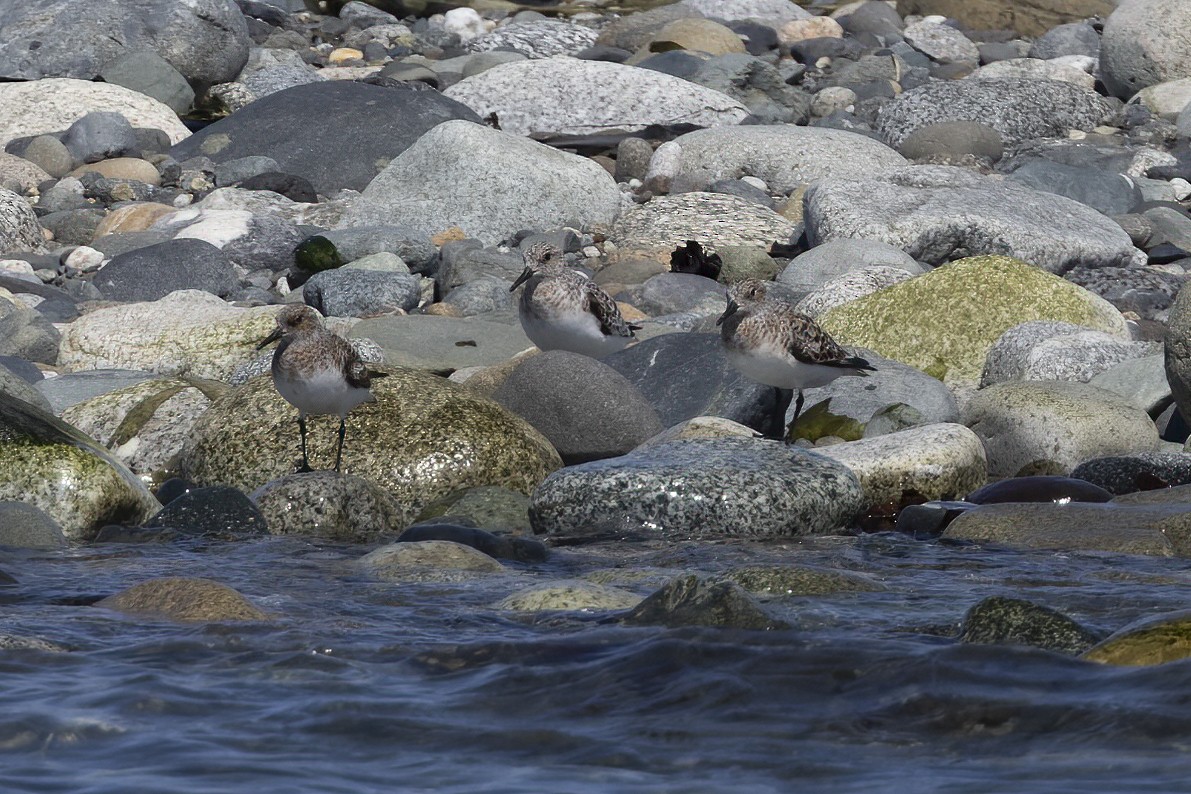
(321, 393)
(785, 372)
(579, 332)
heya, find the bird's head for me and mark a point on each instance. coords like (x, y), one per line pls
(294, 318)
(743, 293)
(539, 257)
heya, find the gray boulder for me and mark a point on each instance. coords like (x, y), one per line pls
(834, 258)
(1145, 42)
(205, 40)
(152, 272)
(1043, 350)
(19, 229)
(350, 292)
(700, 488)
(27, 334)
(940, 213)
(146, 72)
(1106, 192)
(502, 184)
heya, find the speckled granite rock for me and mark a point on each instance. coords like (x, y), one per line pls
(1050, 427)
(184, 599)
(49, 464)
(19, 229)
(429, 561)
(566, 96)
(54, 103)
(1015, 621)
(799, 580)
(1144, 42)
(941, 461)
(936, 213)
(893, 382)
(759, 488)
(536, 38)
(423, 439)
(185, 333)
(1078, 526)
(945, 321)
(145, 425)
(1042, 350)
(713, 219)
(833, 259)
(1154, 639)
(26, 526)
(329, 505)
(851, 286)
(784, 156)
(572, 595)
(1020, 109)
(1123, 474)
(216, 512)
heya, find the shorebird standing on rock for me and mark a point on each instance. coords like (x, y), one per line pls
(562, 309)
(316, 371)
(770, 342)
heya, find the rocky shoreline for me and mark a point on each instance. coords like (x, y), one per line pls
(997, 218)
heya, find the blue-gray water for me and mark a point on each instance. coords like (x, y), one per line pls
(370, 687)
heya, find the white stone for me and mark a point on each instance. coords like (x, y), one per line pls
(465, 23)
(85, 259)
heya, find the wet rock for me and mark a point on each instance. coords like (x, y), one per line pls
(783, 156)
(928, 520)
(1015, 621)
(500, 547)
(52, 104)
(14, 642)
(691, 601)
(937, 212)
(760, 488)
(1040, 488)
(572, 595)
(429, 561)
(46, 463)
(799, 580)
(1154, 639)
(1157, 530)
(25, 526)
(145, 424)
(1050, 427)
(219, 513)
(329, 505)
(563, 96)
(499, 509)
(442, 344)
(423, 438)
(386, 122)
(1144, 42)
(936, 461)
(185, 333)
(586, 409)
(1143, 471)
(506, 184)
(983, 296)
(183, 599)
(711, 219)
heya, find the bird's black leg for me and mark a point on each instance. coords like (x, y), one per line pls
(302, 428)
(339, 452)
(797, 411)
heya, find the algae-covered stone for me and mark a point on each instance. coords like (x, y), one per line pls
(1050, 427)
(1155, 639)
(572, 595)
(422, 439)
(145, 424)
(47, 463)
(799, 580)
(1015, 621)
(489, 506)
(945, 321)
(326, 504)
(1078, 526)
(941, 461)
(189, 332)
(429, 561)
(184, 599)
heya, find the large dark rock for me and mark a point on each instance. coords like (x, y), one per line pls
(205, 40)
(303, 129)
(1101, 190)
(215, 512)
(147, 274)
(686, 375)
(1014, 621)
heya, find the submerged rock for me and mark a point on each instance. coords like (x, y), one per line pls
(1015, 621)
(429, 561)
(184, 599)
(1155, 639)
(799, 580)
(570, 595)
(216, 512)
(691, 601)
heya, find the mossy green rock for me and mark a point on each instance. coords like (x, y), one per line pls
(944, 322)
(424, 438)
(51, 465)
(1152, 640)
(1014, 621)
(185, 600)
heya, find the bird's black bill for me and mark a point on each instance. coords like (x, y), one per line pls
(728, 312)
(525, 274)
(273, 337)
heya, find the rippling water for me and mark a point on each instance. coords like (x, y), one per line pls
(370, 687)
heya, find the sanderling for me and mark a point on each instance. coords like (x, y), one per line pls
(317, 371)
(770, 342)
(562, 309)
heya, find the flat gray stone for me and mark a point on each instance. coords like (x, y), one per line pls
(72, 388)
(442, 343)
(834, 258)
(701, 488)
